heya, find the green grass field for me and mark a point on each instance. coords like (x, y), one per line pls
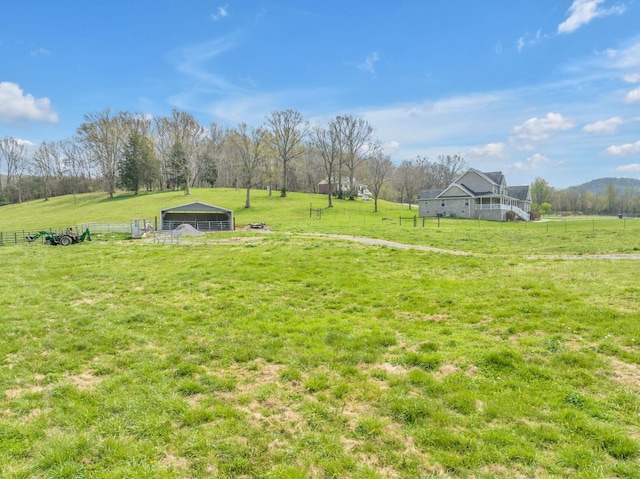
(283, 354)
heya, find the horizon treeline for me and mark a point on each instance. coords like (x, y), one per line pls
(614, 199)
(131, 151)
(343, 159)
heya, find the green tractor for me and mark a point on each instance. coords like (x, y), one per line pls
(51, 238)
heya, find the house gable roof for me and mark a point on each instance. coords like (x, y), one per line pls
(429, 194)
(455, 190)
(472, 171)
(521, 193)
(497, 177)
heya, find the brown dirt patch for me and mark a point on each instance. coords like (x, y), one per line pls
(169, 461)
(447, 370)
(18, 392)
(626, 374)
(85, 381)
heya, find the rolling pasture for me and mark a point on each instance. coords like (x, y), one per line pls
(296, 352)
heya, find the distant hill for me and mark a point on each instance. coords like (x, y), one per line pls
(599, 186)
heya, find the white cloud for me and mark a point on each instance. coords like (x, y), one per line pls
(391, 147)
(604, 126)
(369, 63)
(15, 105)
(582, 12)
(24, 142)
(526, 147)
(625, 58)
(536, 129)
(193, 62)
(530, 40)
(490, 150)
(633, 96)
(532, 163)
(39, 51)
(628, 57)
(624, 150)
(630, 168)
(220, 13)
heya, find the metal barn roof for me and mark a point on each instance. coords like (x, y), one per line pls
(196, 207)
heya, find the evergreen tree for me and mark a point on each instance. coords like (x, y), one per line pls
(209, 171)
(178, 166)
(139, 165)
(149, 165)
(129, 167)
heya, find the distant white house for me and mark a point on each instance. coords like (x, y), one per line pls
(323, 186)
(478, 195)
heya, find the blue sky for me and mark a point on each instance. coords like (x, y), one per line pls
(547, 88)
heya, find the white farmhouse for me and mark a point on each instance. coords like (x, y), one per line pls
(477, 195)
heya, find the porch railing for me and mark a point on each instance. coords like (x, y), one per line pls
(499, 206)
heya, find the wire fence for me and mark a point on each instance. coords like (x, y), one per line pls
(546, 225)
(399, 220)
(107, 227)
(407, 220)
(8, 238)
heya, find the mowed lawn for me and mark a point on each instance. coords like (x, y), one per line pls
(280, 354)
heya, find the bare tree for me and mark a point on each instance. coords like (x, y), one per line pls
(14, 153)
(104, 136)
(227, 171)
(48, 164)
(438, 174)
(77, 163)
(162, 145)
(379, 169)
(327, 142)
(247, 144)
(209, 150)
(181, 128)
(355, 139)
(286, 133)
(406, 179)
(310, 171)
(141, 124)
(448, 168)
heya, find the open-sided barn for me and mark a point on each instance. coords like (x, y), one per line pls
(201, 216)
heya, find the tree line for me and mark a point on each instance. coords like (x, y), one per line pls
(133, 151)
(613, 201)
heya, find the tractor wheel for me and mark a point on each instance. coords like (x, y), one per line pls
(65, 240)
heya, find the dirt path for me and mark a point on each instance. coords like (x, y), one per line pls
(393, 244)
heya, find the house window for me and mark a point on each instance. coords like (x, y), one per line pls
(443, 203)
(466, 202)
